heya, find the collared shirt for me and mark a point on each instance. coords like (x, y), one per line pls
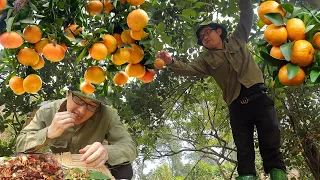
(231, 66)
(104, 124)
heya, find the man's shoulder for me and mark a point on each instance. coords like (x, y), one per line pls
(55, 104)
(109, 110)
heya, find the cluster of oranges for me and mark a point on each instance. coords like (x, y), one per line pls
(122, 48)
(294, 30)
(113, 44)
(31, 56)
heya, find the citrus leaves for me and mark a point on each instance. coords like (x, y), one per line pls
(275, 18)
(286, 50)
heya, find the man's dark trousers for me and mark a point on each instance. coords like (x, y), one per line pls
(124, 171)
(258, 111)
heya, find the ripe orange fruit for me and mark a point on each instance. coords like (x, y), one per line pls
(87, 87)
(117, 36)
(11, 40)
(95, 75)
(276, 35)
(28, 57)
(135, 70)
(98, 51)
(302, 53)
(269, 7)
(122, 1)
(53, 52)
(316, 39)
(126, 38)
(136, 53)
(94, 7)
(135, 2)
(110, 42)
(120, 78)
(276, 53)
(32, 34)
(295, 81)
(32, 83)
(137, 19)
(122, 56)
(39, 65)
(16, 85)
(107, 6)
(148, 76)
(158, 63)
(39, 45)
(295, 28)
(3, 4)
(74, 28)
(138, 35)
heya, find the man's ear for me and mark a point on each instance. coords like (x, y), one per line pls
(219, 31)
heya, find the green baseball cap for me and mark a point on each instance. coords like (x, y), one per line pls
(99, 100)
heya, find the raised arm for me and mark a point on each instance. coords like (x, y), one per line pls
(195, 68)
(243, 28)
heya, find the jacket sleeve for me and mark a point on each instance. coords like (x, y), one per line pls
(121, 148)
(198, 67)
(243, 28)
(33, 136)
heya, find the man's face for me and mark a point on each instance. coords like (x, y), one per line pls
(84, 108)
(211, 38)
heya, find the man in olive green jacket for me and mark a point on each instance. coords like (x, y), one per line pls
(229, 62)
(79, 124)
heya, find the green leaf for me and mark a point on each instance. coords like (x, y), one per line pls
(292, 70)
(33, 7)
(82, 55)
(166, 39)
(115, 3)
(9, 14)
(199, 4)
(61, 5)
(39, 16)
(288, 7)
(9, 24)
(97, 175)
(77, 170)
(46, 5)
(271, 60)
(314, 75)
(260, 23)
(27, 21)
(112, 68)
(149, 61)
(277, 83)
(145, 42)
(100, 31)
(59, 21)
(309, 28)
(189, 13)
(275, 18)
(158, 45)
(286, 50)
(206, 22)
(161, 27)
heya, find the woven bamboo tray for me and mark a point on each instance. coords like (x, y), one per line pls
(73, 161)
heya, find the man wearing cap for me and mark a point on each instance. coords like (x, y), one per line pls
(79, 124)
(229, 62)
